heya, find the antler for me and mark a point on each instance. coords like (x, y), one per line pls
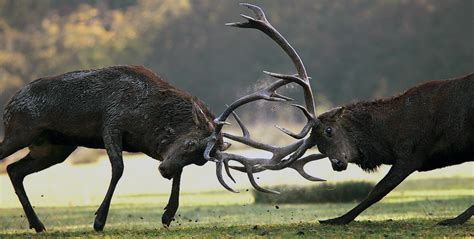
(277, 161)
(254, 165)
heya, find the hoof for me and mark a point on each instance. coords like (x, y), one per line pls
(98, 225)
(335, 221)
(166, 220)
(451, 222)
(39, 227)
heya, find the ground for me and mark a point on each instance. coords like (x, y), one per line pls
(411, 211)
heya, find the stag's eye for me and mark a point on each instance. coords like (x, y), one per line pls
(328, 131)
(190, 144)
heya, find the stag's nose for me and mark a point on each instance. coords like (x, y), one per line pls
(338, 165)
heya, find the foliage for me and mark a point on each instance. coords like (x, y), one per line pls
(356, 49)
(323, 193)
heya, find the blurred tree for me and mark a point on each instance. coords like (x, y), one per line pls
(354, 49)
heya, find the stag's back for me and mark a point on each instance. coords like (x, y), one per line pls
(80, 103)
(437, 118)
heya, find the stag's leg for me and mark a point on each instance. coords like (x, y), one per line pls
(40, 157)
(394, 177)
(113, 145)
(15, 141)
(173, 202)
(462, 218)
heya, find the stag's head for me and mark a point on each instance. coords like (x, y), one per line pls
(295, 150)
(189, 145)
(333, 139)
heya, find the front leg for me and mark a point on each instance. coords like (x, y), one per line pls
(394, 177)
(113, 145)
(173, 202)
(462, 218)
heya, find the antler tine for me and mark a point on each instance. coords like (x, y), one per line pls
(256, 169)
(308, 115)
(306, 129)
(256, 10)
(262, 24)
(211, 142)
(303, 145)
(299, 164)
(250, 142)
(256, 186)
(267, 93)
(248, 166)
(227, 170)
(246, 134)
(245, 131)
(221, 179)
(292, 78)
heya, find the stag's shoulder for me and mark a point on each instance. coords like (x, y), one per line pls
(425, 89)
(141, 71)
(441, 84)
(145, 74)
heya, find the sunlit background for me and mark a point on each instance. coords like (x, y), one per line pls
(353, 50)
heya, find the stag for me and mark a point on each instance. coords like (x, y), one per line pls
(428, 127)
(120, 108)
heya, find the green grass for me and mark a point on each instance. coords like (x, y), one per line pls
(410, 211)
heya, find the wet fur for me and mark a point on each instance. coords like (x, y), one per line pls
(119, 108)
(72, 108)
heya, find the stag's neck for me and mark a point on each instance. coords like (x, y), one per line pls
(372, 124)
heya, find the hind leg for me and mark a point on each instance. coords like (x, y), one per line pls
(462, 218)
(40, 157)
(15, 140)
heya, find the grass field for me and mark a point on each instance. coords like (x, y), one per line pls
(412, 210)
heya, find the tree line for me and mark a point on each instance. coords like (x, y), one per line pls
(353, 49)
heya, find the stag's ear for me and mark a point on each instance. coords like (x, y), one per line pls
(336, 112)
(200, 118)
(198, 115)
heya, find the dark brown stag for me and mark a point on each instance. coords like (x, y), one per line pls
(121, 108)
(428, 127)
